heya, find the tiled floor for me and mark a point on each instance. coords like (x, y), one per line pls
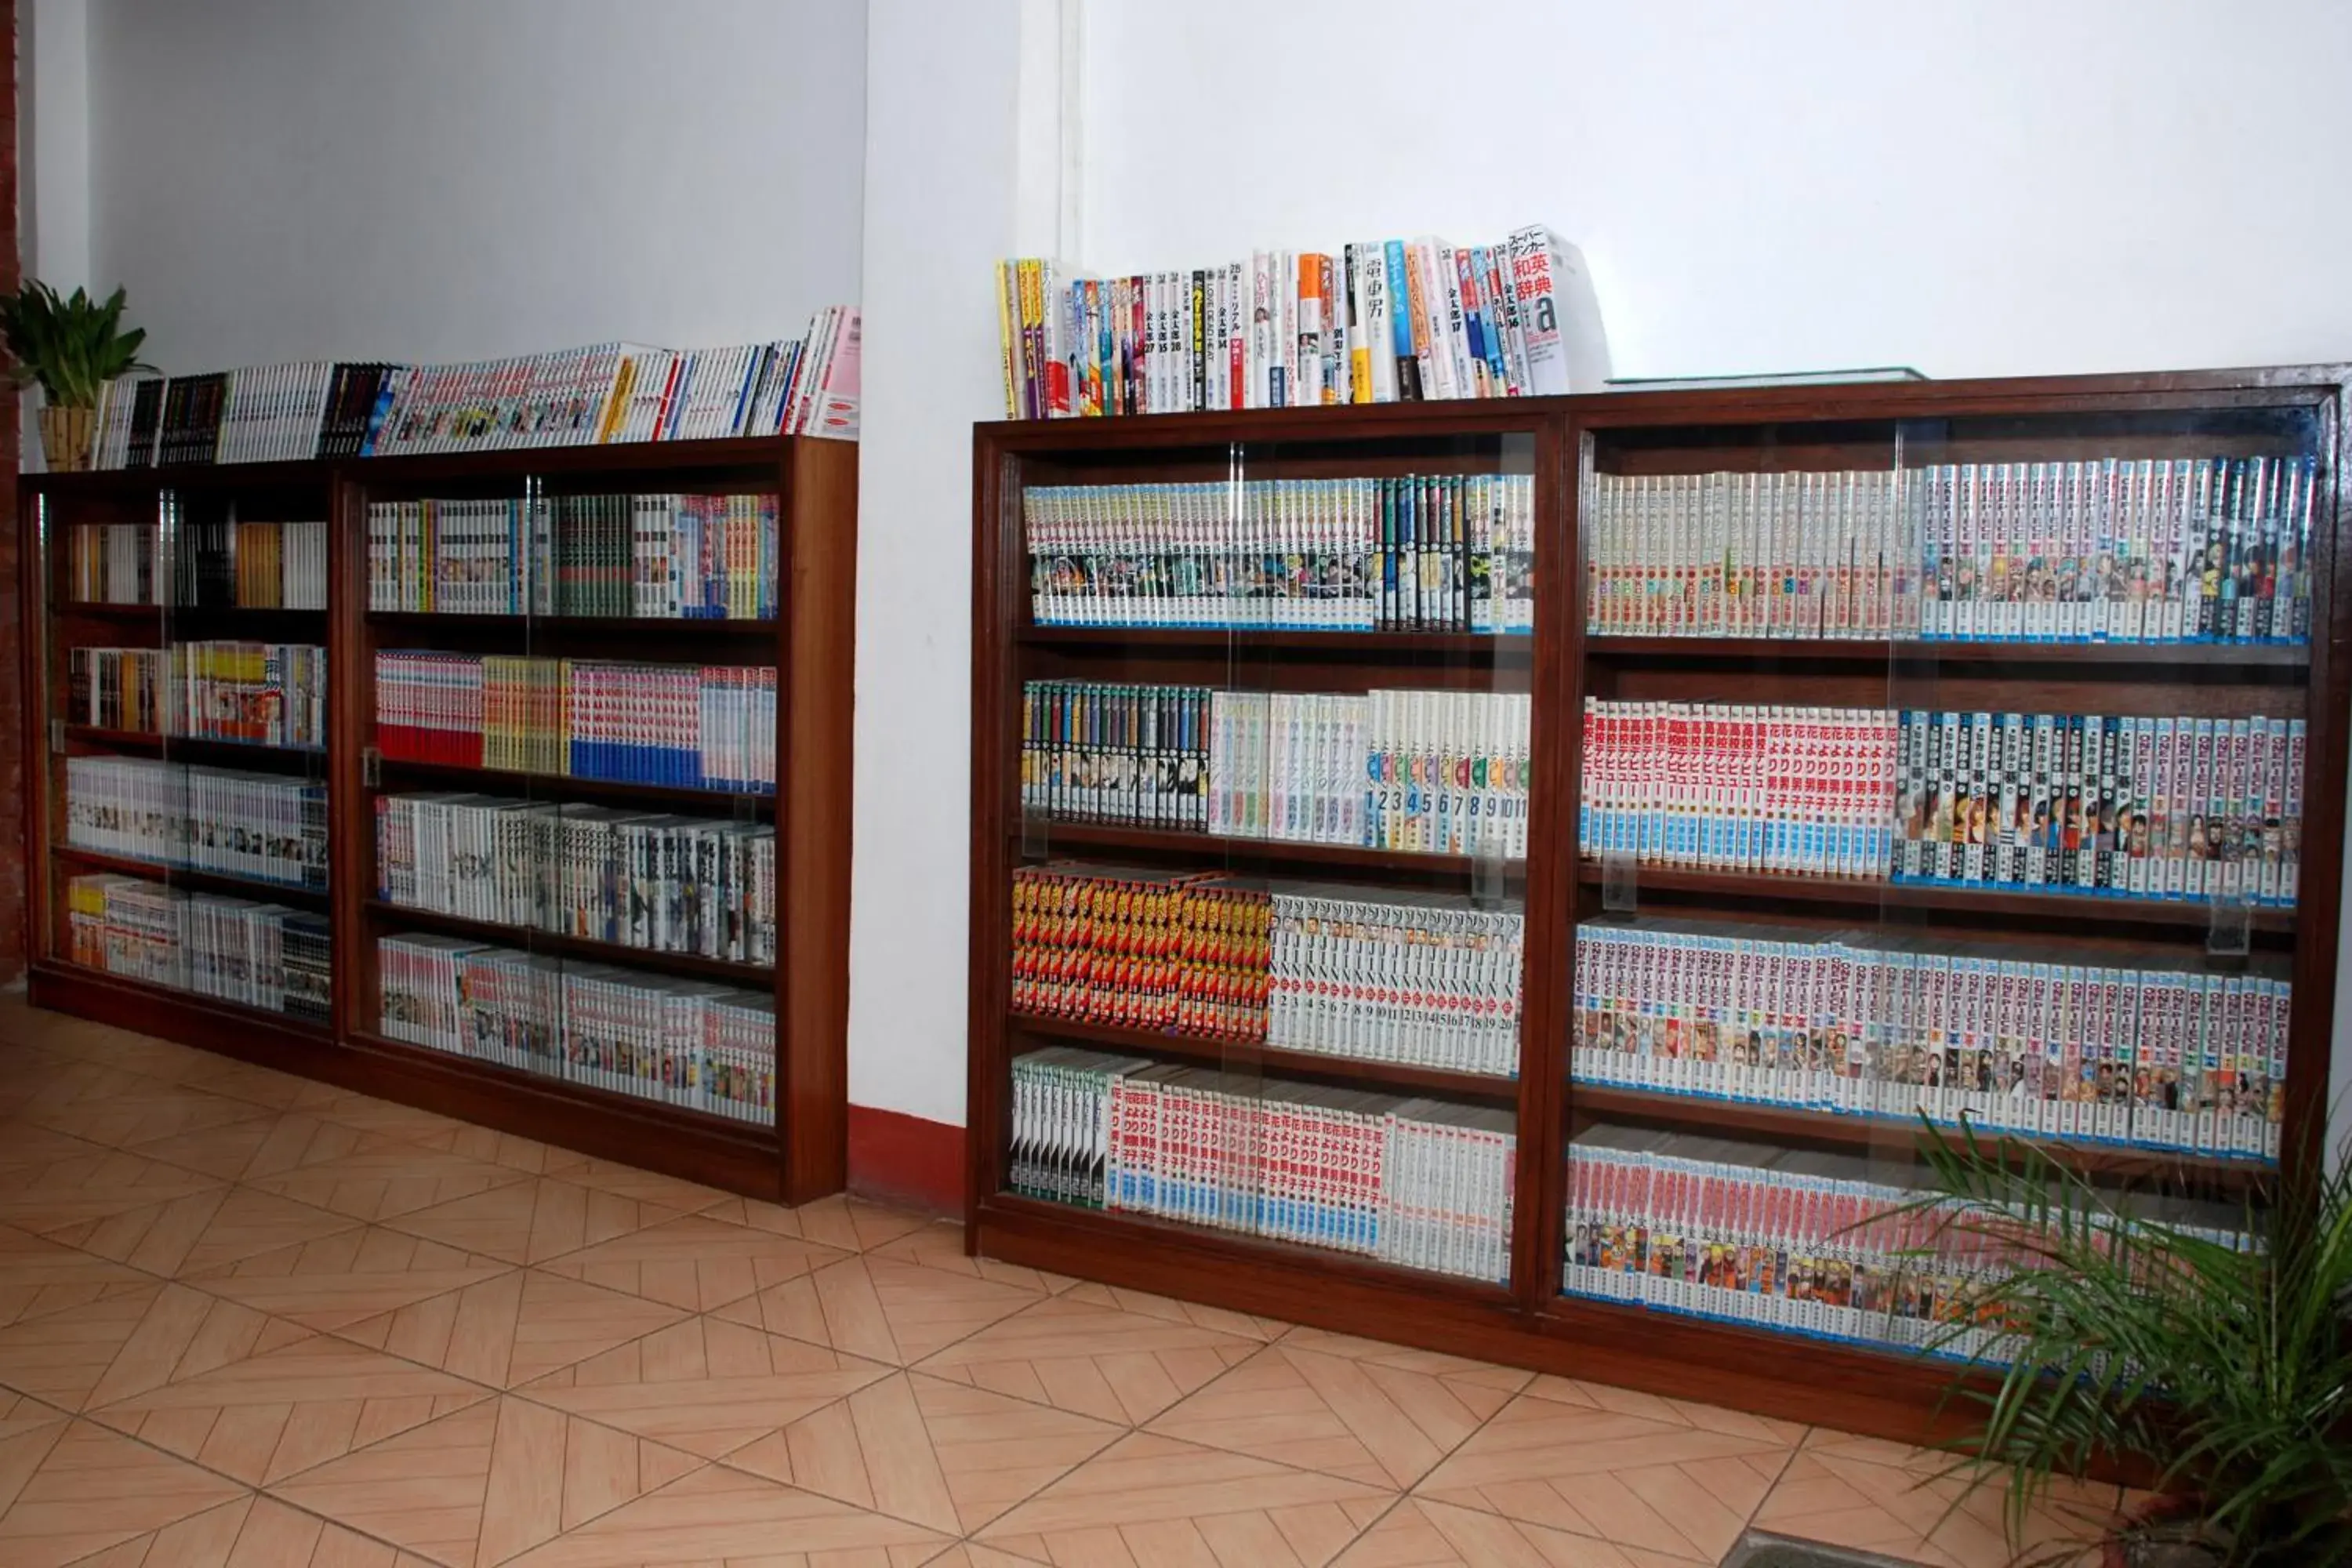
(248, 1321)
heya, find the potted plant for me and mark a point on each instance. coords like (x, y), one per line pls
(73, 346)
(2120, 1330)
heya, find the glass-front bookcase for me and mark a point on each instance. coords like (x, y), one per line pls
(1943, 774)
(1258, 770)
(570, 774)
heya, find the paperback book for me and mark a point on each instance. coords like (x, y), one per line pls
(260, 694)
(254, 954)
(262, 827)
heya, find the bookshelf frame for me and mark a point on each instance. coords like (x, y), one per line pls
(812, 644)
(1531, 1323)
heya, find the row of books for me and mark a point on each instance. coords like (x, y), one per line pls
(2015, 1039)
(703, 1046)
(658, 557)
(2140, 808)
(666, 884)
(2094, 550)
(1817, 1245)
(606, 392)
(212, 563)
(1416, 1183)
(262, 694)
(256, 955)
(2143, 807)
(686, 726)
(1434, 772)
(1418, 979)
(1391, 321)
(264, 827)
(1411, 552)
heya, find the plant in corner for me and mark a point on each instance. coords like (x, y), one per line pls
(73, 346)
(2118, 1329)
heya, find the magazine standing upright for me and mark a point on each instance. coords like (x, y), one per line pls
(1829, 699)
(643, 1109)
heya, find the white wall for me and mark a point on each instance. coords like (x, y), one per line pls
(53, 141)
(954, 180)
(2003, 186)
(445, 179)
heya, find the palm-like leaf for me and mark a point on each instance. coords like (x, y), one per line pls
(71, 345)
(2227, 1370)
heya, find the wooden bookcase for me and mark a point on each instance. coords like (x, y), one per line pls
(810, 644)
(1530, 1321)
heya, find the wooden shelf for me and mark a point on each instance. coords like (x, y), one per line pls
(1060, 836)
(563, 786)
(1258, 1251)
(194, 881)
(233, 1015)
(1978, 906)
(1248, 1055)
(756, 976)
(211, 748)
(1612, 1103)
(2125, 661)
(1285, 639)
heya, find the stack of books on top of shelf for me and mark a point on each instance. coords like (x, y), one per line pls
(1394, 320)
(258, 955)
(1416, 1183)
(606, 392)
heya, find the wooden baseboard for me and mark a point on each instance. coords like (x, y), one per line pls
(905, 1160)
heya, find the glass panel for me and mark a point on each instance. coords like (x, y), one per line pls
(1934, 770)
(1274, 700)
(578, 867)
(197, 738)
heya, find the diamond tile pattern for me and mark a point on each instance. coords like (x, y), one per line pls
(251, 1321)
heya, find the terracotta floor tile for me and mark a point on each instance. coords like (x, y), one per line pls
(1379, 1419)
(243, 1151)
(132, 1343)
(1143, 1303)
(938, 1454)
(695, 1262)
(387, 1179)
(93, 1489)
(244, 1080)
(1419, 1534)
(270, 1417)
(532, 1221)
(28, 1430)
(135, 1109)
(1664, 1486)
(1674, 1412)
(253, 1531)
(509, 1329)
(705, 1385)
(847, 1223)
(1097, 1361)
(25, 1144)
(973, 1554)
(40, 1277)
(80, 1187)
(885, 1311)
(337, 1280)
(1160, 1501)
(940, 1244)
(490, 1483)
(629, 1182)
(722, 1518)
(198, 1231)
(370, 1114)
(494, 1147)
